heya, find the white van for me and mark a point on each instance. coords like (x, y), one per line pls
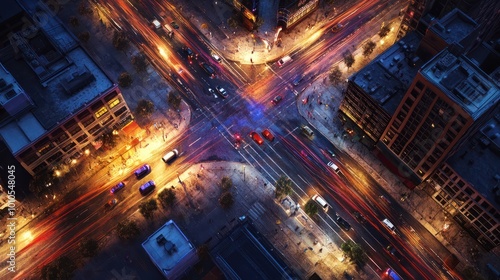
(170, 156)
(307, 131)
(169, 30)
(321, 201)
(389, 225)
(284, 60)
(334, 166)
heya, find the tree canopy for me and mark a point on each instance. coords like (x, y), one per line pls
(283, 187)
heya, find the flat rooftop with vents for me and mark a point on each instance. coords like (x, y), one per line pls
(170, 250)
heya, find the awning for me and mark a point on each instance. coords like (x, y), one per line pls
(132, 129)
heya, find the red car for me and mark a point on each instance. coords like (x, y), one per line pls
(268, 135)
(256, 137)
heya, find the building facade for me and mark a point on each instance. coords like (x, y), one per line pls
(291, 12)
(466, 186)
(55, 101)
(449, 98)
(373, 94)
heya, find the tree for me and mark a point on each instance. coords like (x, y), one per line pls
(88, 247)
(283, 187)
(226, 200)
(125, 80)
(384, 30)
(348, 59)
(120, 40)
(147, 208)
(41, 182)
(60, 269)
(226, 183)
(84, 36)
(368, 48)
(167, 198)
(84, 9)
(174, 100)
(354, 252)
(311, 208)
(232, 22)
(335, 75)
(202, 251)
(145, 108)
(127, 230)
(74, 21)
(140, 63)
(108, 139)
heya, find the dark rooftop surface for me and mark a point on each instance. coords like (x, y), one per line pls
(478, 161)
(9, 9)
(388, 77)
(245, 254)
(454, 26)
(60, 78)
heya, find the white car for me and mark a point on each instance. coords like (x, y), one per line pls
(221, 91)
(217, 58)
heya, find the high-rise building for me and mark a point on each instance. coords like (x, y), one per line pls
(374, 92)
(448, 100)
(55, 101)
(467, 185)
(291, 12)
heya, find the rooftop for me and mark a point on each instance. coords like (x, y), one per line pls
(57, 74)
(478, 160)
(463, 81)
(168, 247)
(388, 77)
(454, 26)
(245, 254)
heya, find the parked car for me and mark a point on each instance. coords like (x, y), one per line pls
(142, 171)
(268, 135)
(343, 223)
(277, 99)
(117, 187)
(256, 137)
(221, 91)
(174, 25)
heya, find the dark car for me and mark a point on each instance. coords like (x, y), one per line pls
(142, 171)
(276, 100)
(117, 187)
(256, 137)
(297, 80)
(343, 223)
(268, 135)
(110, 204)
(359, 217)
(147, 188)
(174, 25)
(221, 91)
(393, 252)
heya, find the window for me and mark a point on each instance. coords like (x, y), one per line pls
(97, 105)
(69, 146)
(42, 166)
(114, 102)
(101, 112)
(75, 129)
(110, 96)
(82, 138)
(120, 111)
(29, 156)
(83, 115)
(95, 130)
(88, 121)
(59, 136)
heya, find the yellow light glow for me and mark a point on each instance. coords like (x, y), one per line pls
(28, 236)
(73, 161)
(163, 53)
(58, 173)
(382, 42)
(87, 152)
